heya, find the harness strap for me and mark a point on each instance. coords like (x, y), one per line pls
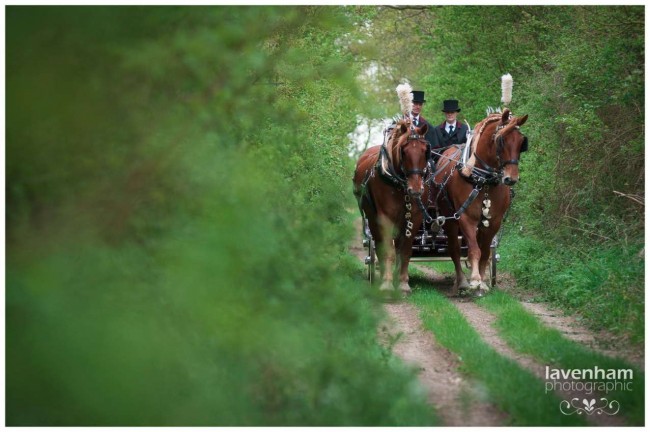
(493, 178)
(447, 161)
(415, 137)
(443, 189)
(389, 175)
(481, 181)
(416, 171)
(425, 214)
(442, 186)
(364, 190)
(470, 199)
(487, 167)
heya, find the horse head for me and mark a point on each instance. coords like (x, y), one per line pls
(410, 154)
(500, 143)
(510, 144)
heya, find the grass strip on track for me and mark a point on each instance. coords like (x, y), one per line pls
(525, 333)
(510, 387)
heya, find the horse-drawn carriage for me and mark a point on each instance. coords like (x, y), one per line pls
(430, 244)
(469, 188)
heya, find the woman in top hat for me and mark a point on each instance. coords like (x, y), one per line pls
(451, 131)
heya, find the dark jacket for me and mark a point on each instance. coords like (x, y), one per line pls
(430, 135)
(440, 137)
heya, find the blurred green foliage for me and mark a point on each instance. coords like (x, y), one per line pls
(176, 226)
(579, 74)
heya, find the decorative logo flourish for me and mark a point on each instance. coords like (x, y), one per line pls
(589, 407)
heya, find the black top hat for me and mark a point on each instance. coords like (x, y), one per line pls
(450, 105)
(418, 96)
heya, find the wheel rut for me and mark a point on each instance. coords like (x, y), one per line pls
(458, 400)
(483, 322)
(602, 342)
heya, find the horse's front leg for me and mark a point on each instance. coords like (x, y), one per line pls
(468, 226)
(386, 253)
(485, 236)
(451, 229)
(403, 251)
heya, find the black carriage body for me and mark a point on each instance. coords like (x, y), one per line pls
(431, 243)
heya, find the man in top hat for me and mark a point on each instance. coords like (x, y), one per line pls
(418, 120)
(451, 131)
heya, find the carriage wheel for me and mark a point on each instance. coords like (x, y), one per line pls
(493, 267)
(370, 243)
(371, 260)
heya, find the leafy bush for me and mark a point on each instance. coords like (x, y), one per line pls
(177, 226)
(603, 284)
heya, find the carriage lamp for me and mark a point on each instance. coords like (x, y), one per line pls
(497, 257)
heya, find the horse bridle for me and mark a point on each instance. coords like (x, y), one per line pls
(421, 172)
(500, 144)
(498, 138)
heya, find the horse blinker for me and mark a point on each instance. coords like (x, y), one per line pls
(524, 145)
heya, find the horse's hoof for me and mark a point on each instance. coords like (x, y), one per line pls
(473, 285)
(386, 286)
(463, 285)
(480, 293)
(405, 288)
(484, 287)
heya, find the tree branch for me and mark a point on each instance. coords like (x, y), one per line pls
(587, 231)
(636, 198)
(410, 7)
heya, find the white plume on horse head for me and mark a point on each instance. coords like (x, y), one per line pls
(405, 98)
(492, 110)
(506, 89)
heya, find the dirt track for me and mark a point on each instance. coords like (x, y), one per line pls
(458, 401)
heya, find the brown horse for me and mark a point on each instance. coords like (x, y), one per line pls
(476, 198)
(389, 183)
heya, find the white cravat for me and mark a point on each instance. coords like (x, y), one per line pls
(416, 119)
(449, 128)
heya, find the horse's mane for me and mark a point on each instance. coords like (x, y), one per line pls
(479, 128)
(394, 142)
